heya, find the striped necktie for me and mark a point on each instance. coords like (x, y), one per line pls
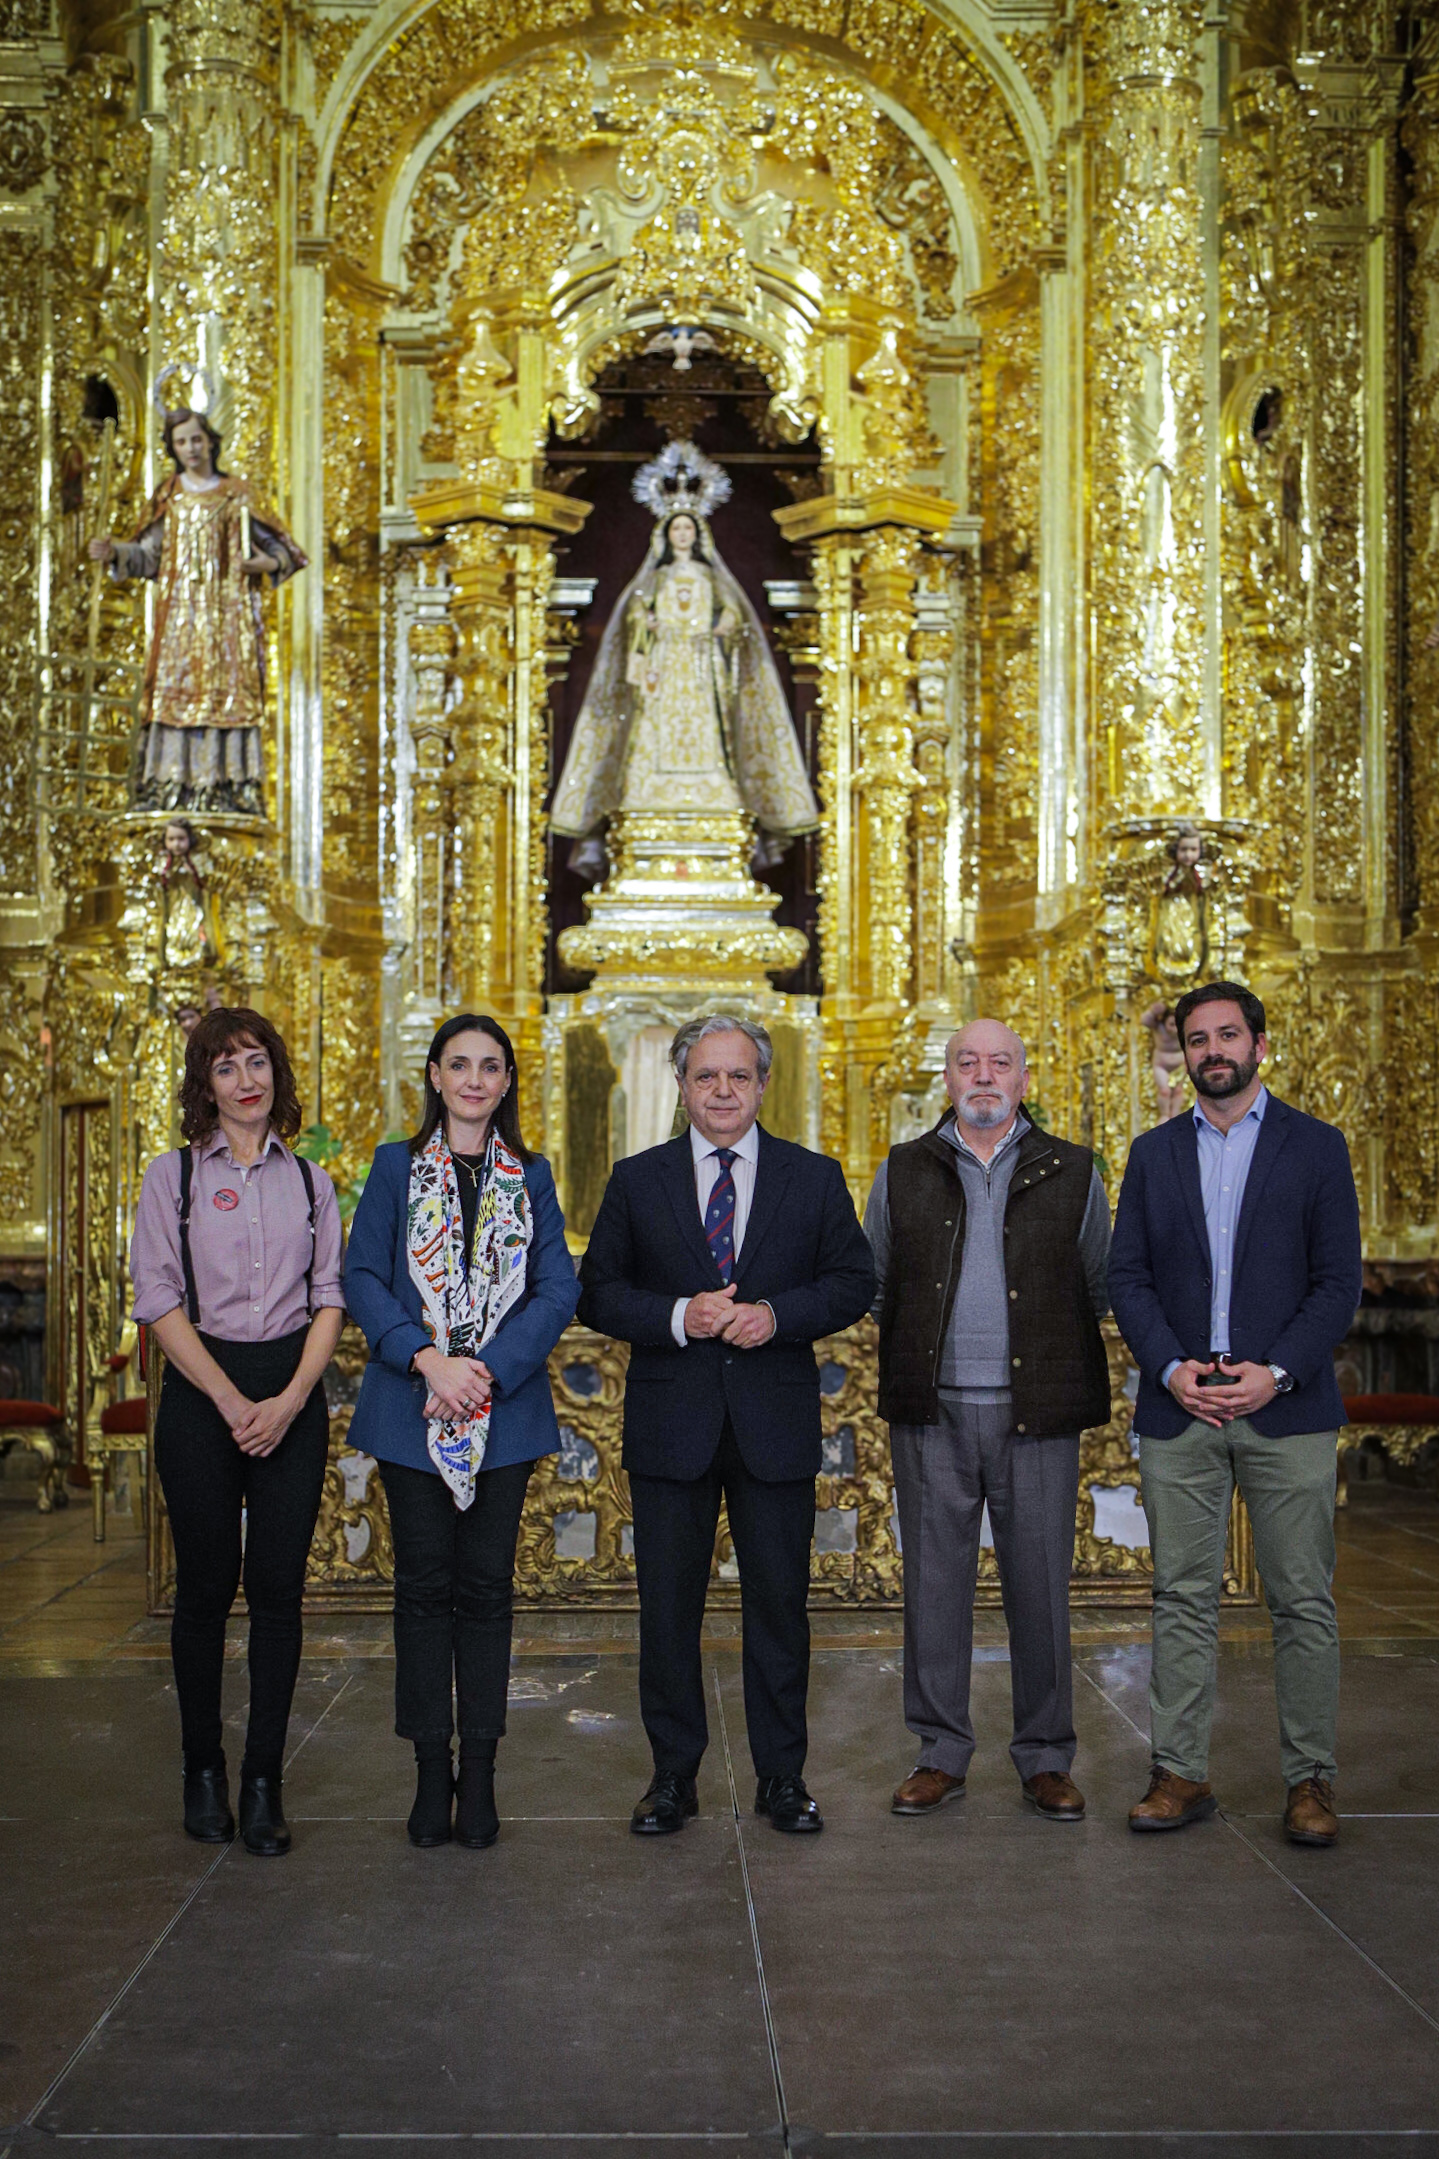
(719, 1215)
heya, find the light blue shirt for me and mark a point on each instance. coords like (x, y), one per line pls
(1224, 1159)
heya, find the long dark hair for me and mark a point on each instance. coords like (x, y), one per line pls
(667, 552)
(506, 1120)
(234, 1027)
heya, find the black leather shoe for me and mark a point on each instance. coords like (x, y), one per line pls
(788, 1805)
(669, 1803)
(207, 1806)
(476, 1822)
(263, 1827)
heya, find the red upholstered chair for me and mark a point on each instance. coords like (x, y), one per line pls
(1401, 1424)
(123, 1429)
(41, 1429)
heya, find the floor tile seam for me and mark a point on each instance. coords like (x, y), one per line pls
(68, 1591)
(32, 2118)
(221, 1855)
(42, 1543)
(1390, 1611)
(1232, 1825)
(766, 2007)
(1333, 1925)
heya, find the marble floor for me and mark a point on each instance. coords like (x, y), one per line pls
(980, 1983)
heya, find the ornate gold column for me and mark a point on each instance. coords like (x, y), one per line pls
(500, 546)
(25, 455)
(866, 557)
(1158, 747)
(887, 778)
(218, 262)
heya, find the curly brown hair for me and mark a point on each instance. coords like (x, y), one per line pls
(234, 1027)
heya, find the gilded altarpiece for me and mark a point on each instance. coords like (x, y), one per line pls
(1094, 342)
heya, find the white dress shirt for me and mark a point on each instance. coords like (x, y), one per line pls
(707, 1169)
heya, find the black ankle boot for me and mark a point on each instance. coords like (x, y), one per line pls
(263, 1827)
(207, 1805)
(476, 1822)
(429, 1822)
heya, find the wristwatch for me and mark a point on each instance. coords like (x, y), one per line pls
(1283, 1381)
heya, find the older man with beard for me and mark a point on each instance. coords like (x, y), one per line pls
(990, 1242)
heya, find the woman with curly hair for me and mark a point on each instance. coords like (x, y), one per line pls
(236, 1267)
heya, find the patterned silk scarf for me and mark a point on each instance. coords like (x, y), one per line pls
(462, 1307)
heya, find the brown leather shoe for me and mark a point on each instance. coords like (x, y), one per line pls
(1171, 1801)
(1309, 1813)
(925, 1789)
(1056, 1795)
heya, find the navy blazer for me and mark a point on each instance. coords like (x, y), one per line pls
(804, 1254)
(380, 1294)
(1297, 1266)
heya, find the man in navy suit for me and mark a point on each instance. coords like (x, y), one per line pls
(1234, 1271)
(722, 1257)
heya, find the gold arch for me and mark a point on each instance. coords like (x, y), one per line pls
(381, 92)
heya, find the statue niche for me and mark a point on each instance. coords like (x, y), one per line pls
(685, 709)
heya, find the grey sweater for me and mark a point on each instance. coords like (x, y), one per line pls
(975, 1356)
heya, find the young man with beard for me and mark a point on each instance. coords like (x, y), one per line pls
(1234, 1271)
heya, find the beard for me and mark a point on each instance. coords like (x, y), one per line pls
(1229, 1076)
(984, 1114)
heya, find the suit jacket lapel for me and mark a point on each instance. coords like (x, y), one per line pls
(771, 1176)
(1186, 1151)
(1273, 1132)
(678, 1173)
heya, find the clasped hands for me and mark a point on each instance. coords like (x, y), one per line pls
(714, 1312)
(258, 1427)
(458, 1385)
(1251, 1387)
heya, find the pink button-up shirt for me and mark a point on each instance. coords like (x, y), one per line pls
(249, 1242)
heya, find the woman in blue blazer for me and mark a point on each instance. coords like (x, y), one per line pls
(459, 1274)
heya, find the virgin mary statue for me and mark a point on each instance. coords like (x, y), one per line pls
(685, 709)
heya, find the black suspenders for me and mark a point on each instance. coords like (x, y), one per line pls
(192, 1295)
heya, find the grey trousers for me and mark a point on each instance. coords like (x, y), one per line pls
(943, 1474)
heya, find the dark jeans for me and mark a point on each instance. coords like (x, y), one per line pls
(454, 1600)
(772, 1525)
(208, 1484)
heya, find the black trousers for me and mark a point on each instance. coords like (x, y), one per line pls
(208, 1484)
(772, 1525)
(454, 1600)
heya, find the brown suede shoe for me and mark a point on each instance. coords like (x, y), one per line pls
(925, 1789)
(1309, 1813)
(1055, 1795)
(1171, 1801)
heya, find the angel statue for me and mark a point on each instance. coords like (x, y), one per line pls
(207, 543)
(187, 936)
(1179, 928)
(685, 709)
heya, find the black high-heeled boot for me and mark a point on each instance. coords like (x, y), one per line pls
(207, 1804)
(429, 1822)
(263, 1827)
(476, 1822)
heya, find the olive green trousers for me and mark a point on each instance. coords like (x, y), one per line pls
(1288, 1487)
